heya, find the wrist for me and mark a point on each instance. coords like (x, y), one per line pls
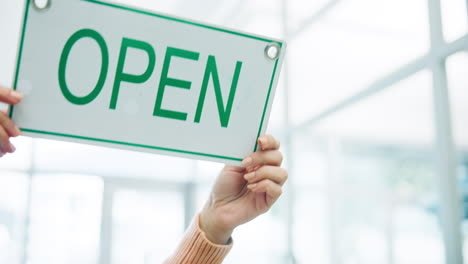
(213, 229)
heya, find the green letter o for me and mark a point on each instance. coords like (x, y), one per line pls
(83, 33)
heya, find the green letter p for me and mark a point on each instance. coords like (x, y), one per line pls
(120, 76)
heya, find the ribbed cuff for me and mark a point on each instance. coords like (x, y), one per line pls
(195, 248)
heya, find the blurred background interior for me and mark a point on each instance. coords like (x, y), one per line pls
(372, 111)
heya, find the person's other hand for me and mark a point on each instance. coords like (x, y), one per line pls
(7, 128)
(241, 194)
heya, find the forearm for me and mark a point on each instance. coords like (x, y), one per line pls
(213, 226)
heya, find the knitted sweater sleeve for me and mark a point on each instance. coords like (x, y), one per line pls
(195, 248)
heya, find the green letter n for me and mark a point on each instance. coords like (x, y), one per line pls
(211, 70)
(120, 76)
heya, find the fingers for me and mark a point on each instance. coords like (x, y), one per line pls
(268, 142)
(5, 145)
(276, 174)
(268, 155)
(9, 96)
(10, 127)
(260, 158)
(272, 190)
(7, 127)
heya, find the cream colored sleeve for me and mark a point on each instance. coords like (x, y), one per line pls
(195, 248)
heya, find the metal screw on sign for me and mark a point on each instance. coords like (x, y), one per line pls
(41, 5)
(272, 51)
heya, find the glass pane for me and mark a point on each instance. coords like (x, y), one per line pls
(277, 116)
(256, 16)
(457, 73)
(401, 114)
(382, 184)
(13, 199)
(417, 236)
(65, 219)
(454, 18)
(87, 159)
(350, 46)
(256, 243)
(361, 229)
(311, 227)
(11, 13)
(21, 158)
(311, 163)
(146, 226)
(389, 203)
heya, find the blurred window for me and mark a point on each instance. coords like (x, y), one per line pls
(13, 204)
(65, 219)
(348, 47)
(457, 75)
(146, 225)
(454, 18)
(381, 190)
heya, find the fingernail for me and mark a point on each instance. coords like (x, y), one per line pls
(17, 95)
(251, 186)
(17, 131)
(13, 149)
(246, 162)
(249, 176)
(262, 141)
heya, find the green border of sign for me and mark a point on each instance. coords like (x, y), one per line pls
(28, 3)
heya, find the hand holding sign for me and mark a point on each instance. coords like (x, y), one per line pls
(7, 127)
(241, 194)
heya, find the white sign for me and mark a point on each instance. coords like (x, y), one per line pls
(100, 73)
